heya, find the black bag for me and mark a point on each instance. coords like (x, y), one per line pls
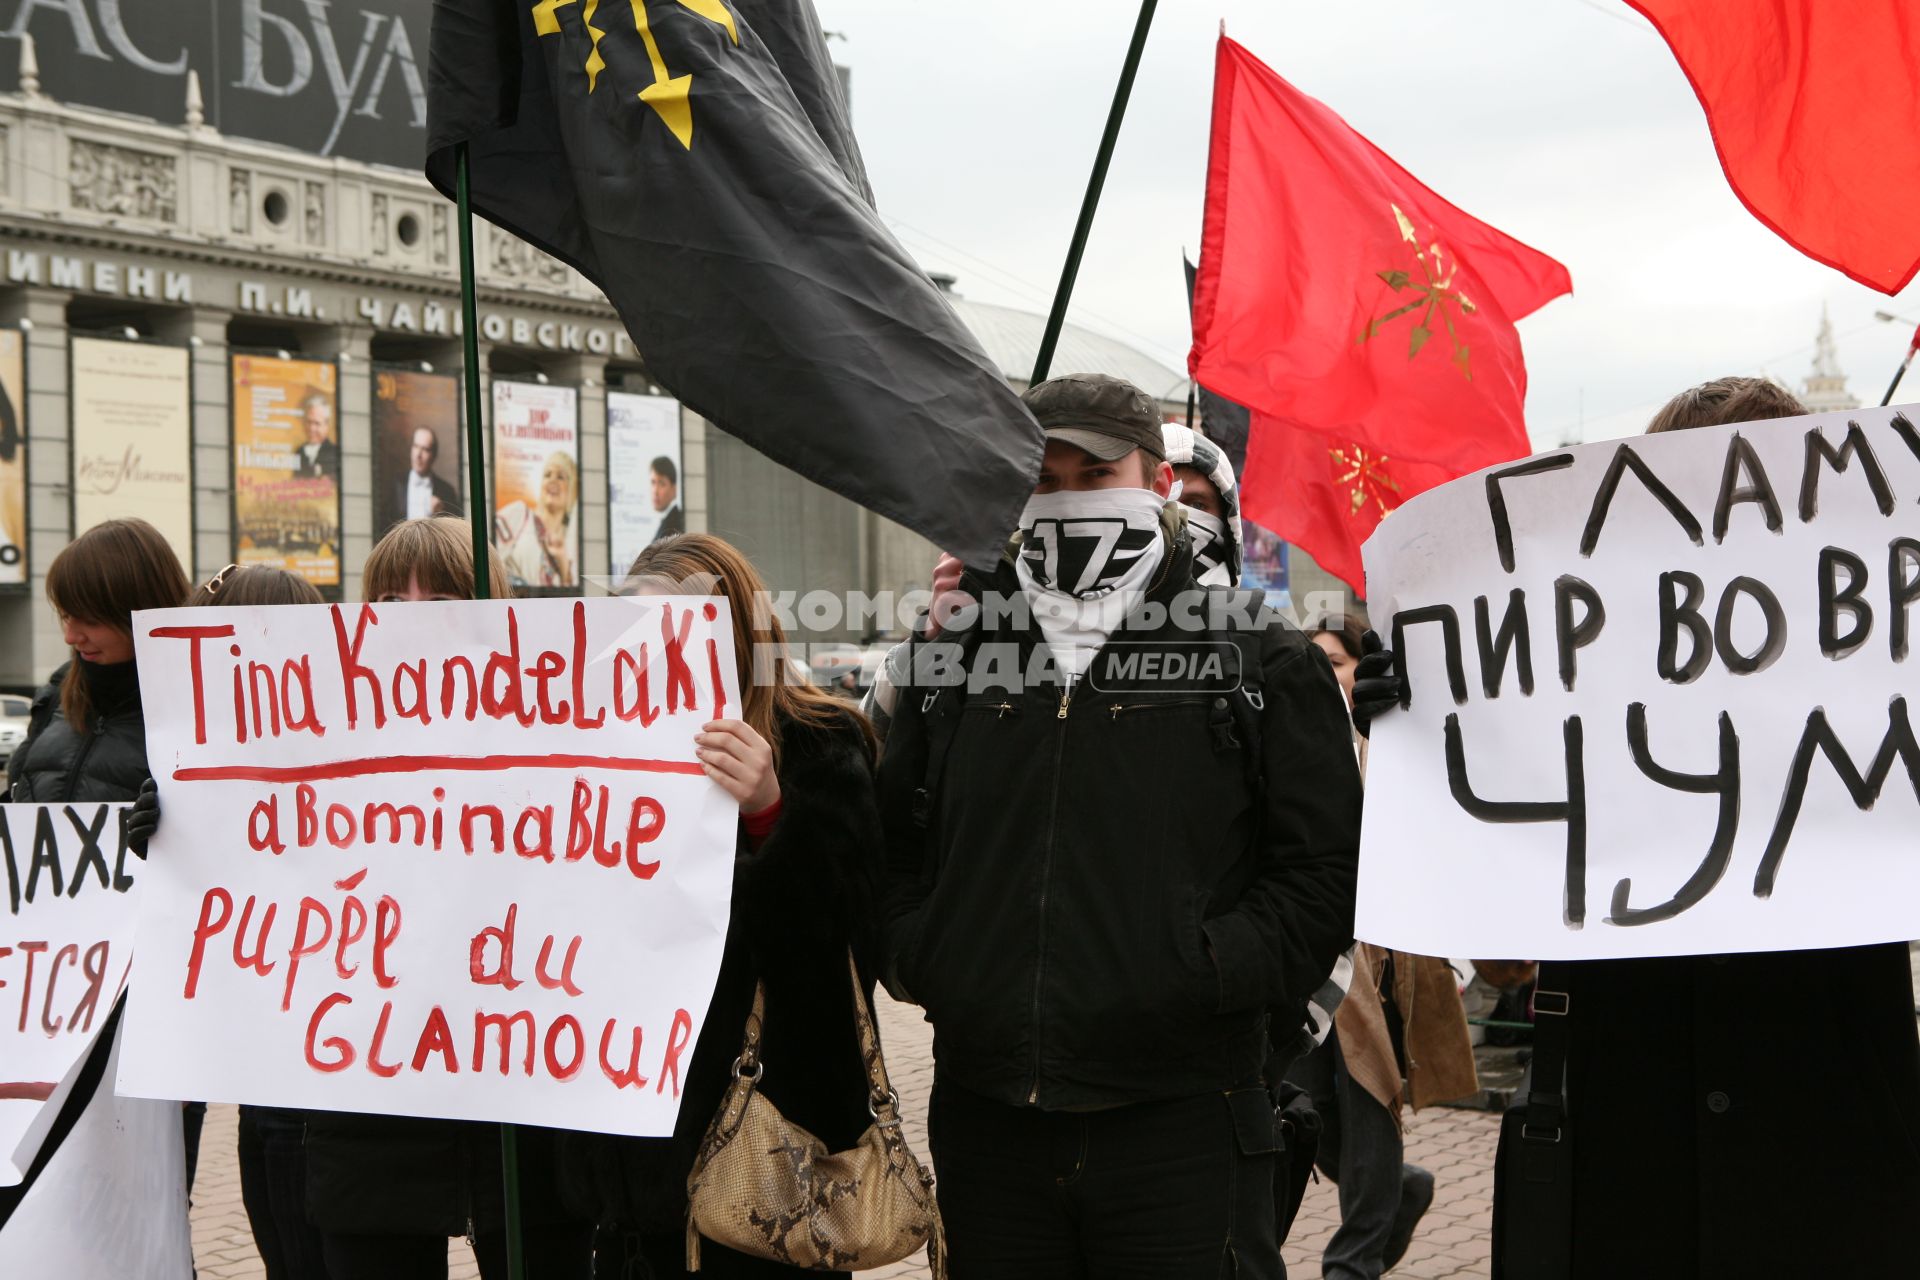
(1533, 1170)
(1298, 1126)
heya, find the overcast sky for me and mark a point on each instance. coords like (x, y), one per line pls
(1565, 123)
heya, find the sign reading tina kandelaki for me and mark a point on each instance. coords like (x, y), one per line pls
(1659, 698)
(449, 859)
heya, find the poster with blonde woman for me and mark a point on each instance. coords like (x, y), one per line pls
(536, 468)
(13, 462)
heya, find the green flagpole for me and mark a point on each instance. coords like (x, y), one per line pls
(476, 491)
(1043, 361)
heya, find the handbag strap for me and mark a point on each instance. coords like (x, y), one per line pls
(748, 1065)
(880, 1095)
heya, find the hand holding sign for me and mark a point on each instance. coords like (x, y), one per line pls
(739, 759)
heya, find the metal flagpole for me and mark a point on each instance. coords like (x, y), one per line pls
(1057, 317)
(476, 506)
(1901, 372)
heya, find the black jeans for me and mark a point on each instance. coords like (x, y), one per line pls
(1362, 1151)
(1174, 1190)
(273, 1186)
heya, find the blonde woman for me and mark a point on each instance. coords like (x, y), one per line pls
(535, 541)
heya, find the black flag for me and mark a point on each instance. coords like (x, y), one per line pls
(693, 158)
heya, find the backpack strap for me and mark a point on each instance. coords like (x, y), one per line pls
(1238, 723)
(939, 713)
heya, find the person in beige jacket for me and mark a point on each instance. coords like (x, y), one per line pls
(1400, 1035)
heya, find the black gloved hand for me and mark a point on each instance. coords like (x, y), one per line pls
(1375, 686)
(144, 818)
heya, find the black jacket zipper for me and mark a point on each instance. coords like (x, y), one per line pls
(80, 758)
(1117, 708)
(1046, 878)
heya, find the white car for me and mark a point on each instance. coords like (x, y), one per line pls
(13, 723)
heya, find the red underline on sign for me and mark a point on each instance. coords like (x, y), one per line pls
(424, 764)
(32, 1091)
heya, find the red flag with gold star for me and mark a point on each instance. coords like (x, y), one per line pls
(1366, 322)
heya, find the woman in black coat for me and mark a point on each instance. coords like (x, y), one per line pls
(801, 765)
(87, 739)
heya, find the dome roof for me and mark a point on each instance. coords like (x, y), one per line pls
(1012, 339)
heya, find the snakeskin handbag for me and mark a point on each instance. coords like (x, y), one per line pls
(767, 1188)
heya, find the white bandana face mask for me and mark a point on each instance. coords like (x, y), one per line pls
(1211, 545)
(1085, 557)
(1085, 543)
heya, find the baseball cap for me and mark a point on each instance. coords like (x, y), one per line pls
(1108, 417)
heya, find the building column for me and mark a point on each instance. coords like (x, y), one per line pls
(30, 644)
(203, 330)
(348, 346)
(694, 499)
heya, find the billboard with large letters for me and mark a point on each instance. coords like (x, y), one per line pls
(133, 437)
(286, 467)
(328, 77)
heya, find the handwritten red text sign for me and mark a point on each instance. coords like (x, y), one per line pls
(446, 859)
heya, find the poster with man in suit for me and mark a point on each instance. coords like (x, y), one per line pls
(416, 446)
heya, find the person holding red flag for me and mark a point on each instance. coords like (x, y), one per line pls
(1366, 322)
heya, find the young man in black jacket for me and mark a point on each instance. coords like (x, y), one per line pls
(1102, 875)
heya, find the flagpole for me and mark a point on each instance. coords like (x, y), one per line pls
(1043, 360)
(477, 506)
(1901, 372)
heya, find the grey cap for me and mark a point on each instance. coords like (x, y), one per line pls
(1108, 417)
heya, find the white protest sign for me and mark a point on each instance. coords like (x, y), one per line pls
(63, 955)
(447, 859)
(1660, 698)
(112, 1201)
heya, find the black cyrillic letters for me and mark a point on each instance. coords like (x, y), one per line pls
(1723, 782)
(1513, 638)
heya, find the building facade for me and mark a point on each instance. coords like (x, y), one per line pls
(235, 311)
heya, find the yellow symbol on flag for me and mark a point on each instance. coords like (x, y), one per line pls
(669, 95)
(546, 22)
(1367, 474)
(1435, 293)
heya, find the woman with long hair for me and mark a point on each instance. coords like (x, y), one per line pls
(800, 764)
(385, 1192)
(86, 740)
(86, 736)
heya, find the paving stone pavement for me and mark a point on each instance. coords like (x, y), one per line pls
(1457, 1146)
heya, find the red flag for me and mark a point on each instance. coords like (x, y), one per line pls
(1814, 107)
(1355, 312)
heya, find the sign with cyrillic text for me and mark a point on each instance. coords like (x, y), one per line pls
(447, 859)
(64, 950)
(1659, 698)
